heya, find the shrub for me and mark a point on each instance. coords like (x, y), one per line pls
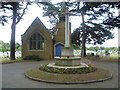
(33, 57)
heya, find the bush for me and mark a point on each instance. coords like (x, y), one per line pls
(33, 57)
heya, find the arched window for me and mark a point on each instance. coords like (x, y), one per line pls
(36, 42)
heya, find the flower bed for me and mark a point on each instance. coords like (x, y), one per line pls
(68, 71)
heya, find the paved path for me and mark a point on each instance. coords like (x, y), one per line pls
(13, 76)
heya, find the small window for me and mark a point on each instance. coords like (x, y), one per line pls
(36, 42)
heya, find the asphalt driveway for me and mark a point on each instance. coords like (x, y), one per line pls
(13, 76)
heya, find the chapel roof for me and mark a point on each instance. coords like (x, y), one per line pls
(36, 23)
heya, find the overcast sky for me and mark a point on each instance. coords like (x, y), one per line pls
(35, 11)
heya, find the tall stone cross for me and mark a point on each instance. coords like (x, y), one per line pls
(65, 13)
(67, 29)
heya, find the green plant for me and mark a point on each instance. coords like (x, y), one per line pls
(67, 71)
(33, 57)
(107, 51)
(76, 47)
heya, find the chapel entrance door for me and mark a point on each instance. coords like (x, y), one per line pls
(58, 49)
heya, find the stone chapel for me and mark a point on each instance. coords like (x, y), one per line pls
(38, 40)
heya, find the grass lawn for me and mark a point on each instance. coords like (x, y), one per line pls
(5, 61)
(102, 58)
(54, 77)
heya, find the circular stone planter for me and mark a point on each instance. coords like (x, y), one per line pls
(80, 65)
(97, 76)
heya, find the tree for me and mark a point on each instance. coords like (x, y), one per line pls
(17, 46)
(51, 11)
(113, 21)
(102, 48)
(76, 37)
(95, 32)
(4, 46)
(18, 9)
(107, 51)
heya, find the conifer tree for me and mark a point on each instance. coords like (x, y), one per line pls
(17, 10)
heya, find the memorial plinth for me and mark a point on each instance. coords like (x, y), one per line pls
(67, 51)
(67, 57)
(67, 61)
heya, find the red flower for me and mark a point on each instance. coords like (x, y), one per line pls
(59, 56)
(67, 56)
